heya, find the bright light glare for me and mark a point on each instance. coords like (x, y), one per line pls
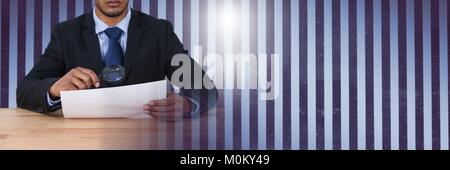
(228, 20)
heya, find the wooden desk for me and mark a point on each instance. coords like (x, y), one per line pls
(21, 129)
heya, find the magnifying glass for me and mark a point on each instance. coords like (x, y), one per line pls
(112, 75)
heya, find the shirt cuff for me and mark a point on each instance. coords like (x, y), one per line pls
(51, 102)
(195, 107)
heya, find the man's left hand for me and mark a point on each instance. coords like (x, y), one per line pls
(171, 108)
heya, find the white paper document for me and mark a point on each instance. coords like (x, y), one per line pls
(115, 102)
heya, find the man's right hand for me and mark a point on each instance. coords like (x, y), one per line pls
(76, 79)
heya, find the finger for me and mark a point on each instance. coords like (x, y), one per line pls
(147, 108)
(94, 78)
(170, 108)
(161, 115)
(83, 77)
(150, 108)
(80, 85)
(163, 102)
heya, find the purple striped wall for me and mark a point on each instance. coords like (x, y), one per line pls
(419, 72)
(352, 73)
(405, 82)
(402, 70)
(270, 50)
(4, 62)
(303, 76)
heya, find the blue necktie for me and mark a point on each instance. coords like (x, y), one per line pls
(114, 55)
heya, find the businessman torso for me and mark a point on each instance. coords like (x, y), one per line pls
(149, 47)
(151, 44)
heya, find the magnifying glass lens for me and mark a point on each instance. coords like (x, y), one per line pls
(113, 74)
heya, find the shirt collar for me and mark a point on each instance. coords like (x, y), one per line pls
(101, 26)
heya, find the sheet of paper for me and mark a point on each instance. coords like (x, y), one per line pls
(115, 102)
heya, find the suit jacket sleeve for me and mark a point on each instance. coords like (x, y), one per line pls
(207, 98)
(32, 91)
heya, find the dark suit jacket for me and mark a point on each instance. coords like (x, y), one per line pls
(151, 45)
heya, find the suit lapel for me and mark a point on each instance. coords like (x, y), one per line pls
(92, 43)
(134, 40)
